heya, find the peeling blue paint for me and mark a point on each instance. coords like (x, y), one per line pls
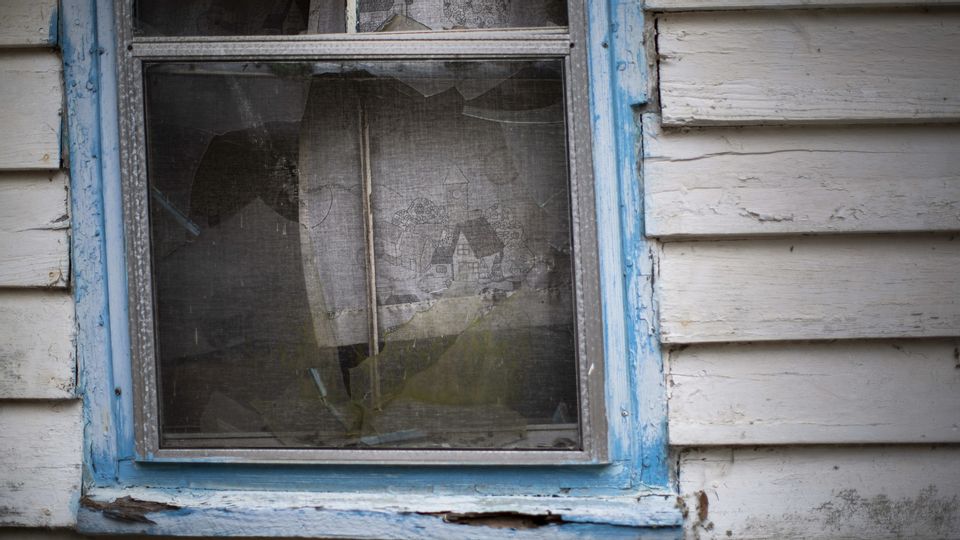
(53, 27)
(636, 397)
(81, 81)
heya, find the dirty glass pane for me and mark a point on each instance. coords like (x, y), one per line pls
(414, 15)
(238, 17)
(294, 311)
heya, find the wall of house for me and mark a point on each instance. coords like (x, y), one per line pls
(40, 415)
(802, 172)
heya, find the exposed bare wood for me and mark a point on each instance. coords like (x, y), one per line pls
(805, 66)
(31, 95)
(821, 492)
(810, 288)
(28, 23)
(771, 180)
(36, 345)
(815, 393)
(705, 5)
(40, 456)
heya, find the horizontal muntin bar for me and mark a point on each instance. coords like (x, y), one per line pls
(446, 457)
(512, 34)
(348, 49)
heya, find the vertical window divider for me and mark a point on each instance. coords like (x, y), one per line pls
(374, 330)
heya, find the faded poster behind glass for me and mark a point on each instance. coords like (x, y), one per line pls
(413, 15)
(362, 255)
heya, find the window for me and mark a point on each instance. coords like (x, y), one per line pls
(361, 233)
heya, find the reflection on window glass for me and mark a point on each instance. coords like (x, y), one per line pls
(412, 15)
(294, 311)
(238, 17)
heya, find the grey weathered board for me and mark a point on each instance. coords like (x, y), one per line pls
(34, 243)
(825, 287)
(40, 456)
(821, 492)
(809, 66)
(839, 392)
(28, 23)
(37, 359)
(775, 180)
(31, 96)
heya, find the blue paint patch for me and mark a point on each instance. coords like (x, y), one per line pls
(53, 26)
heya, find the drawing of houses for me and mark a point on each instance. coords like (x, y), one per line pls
(476, 249)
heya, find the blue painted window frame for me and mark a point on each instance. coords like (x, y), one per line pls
(635, 393)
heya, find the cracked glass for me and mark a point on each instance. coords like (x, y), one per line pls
(362, 254)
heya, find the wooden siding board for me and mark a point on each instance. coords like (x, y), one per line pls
(808, 66)
(709, 5)
(35, 258)
(31, 97)
(37, 359)
(810, 288)
(34, 246)
(28, 23)
(33, 200)
(40, 455)
(815, 393)
(821, 492)
(771, 180)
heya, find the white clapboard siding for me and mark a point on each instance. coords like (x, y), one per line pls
(37, 258)
(809, 66)
(770, 180)
(34, 246)
(821, 492)
(36, 350)
(40, 457)
(705, 5)
(840, 392)
(33, 200)
(31, 98)
(810, 288)
(28, 23)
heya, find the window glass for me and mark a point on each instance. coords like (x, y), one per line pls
(411, 15)
(293, 310)
(238, 17)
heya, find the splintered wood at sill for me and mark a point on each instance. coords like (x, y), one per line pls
(499, 520)
(128, 509)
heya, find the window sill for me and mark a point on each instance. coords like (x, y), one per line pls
(187, 512)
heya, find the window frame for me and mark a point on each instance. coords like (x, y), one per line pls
(135, 53)
(635, 489)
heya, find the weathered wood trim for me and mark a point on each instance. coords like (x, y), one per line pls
(28, 23)
(712, 5)
(806, 67)
(810, 288)
(821, 492)
(40, 455)
(772, 180)
(381, 516)
(36, 351)
(31, 96)
(638, 467)
(815, 393)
